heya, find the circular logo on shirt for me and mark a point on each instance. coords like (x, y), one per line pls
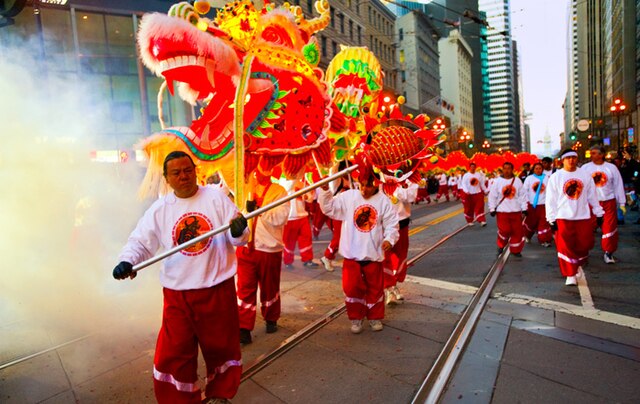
(189, 226)
(365, 218)
(573, 188)
(509, 192)
(534, 187)
(599, 178)
(473, 182)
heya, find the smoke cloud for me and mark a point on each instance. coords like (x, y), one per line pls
(63, 217)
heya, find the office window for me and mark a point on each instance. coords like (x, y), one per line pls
(401, 34)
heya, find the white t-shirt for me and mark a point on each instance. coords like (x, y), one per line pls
(473, 183)
(531, 186)
(366, 223)
(406, 196)
(270, 225)
(453, 181)
(442, 179)
(515, 199)
(569, 195)
(171, 221)
(607, 180)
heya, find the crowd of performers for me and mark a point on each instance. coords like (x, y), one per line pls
(210, 289)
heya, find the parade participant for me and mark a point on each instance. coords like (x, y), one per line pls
(610, 193)
(570, 192)
(200, 306)
(535, 186)
(423, 192)
(369, 228)
(216, 181)
(443, 187)
(395, 260)
(332, 249)
(260, 261)
(525, 171)
(508, 203)
(318, 219)
(453, 186)
(547, 166)
(473, 186)
(298, 229)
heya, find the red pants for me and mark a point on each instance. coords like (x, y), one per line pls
(510, 231)
(297, 231)
(206, 317)
(258, 268)
(395, 260)
(574, 239)
(537, 221)
(332, 248)
(454, 191)
(319, 219)
(423, 195)
(443, 190)
(363, 287)
(474, 206)
(610, 236)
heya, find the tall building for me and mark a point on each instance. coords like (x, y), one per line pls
(505, 132)
(419, 71)
(455, 80)
(572, 104)
(522, 143)
(605, 65)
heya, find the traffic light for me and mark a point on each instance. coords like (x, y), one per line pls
(471, 145)
(573, 136)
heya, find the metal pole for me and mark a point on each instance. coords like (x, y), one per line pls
(253, 214)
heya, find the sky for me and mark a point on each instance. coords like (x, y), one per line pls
(540, 28)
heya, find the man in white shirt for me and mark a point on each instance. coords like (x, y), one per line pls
(395, 260)
(369, 229)
(570, 199)
(453, 186)
(508, 202)
(260, 261)
(298, 229)
(610, 192)
(443, 186)
(200, 305)
(474, 189)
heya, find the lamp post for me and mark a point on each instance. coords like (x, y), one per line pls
(486, 145)
(618, 109)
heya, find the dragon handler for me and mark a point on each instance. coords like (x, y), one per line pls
(200, 306)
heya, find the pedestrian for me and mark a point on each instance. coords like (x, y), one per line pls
(260, 261)
(570, 199)
(610, 193)
(535, 186)
(453, 186)
(395, 260)
(443, 186)
(318, 219)
(215, 181)
(473, 186)
(508, 203)
(200, 307)
(332, 249)
(298, 229)
(547, 166)
(369, 229)
(525, 171)
(423, 191)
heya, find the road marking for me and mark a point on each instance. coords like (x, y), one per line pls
(580, 311)
(440, 219)
(585, 293)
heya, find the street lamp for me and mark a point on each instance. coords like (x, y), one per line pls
(485, 144)
(618, 109)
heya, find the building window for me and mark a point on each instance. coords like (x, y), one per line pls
(359, 35)
(401, 55)
(342, 23)
(310, 6)
(333, 17)
(323, 41)
(334, 47)
(403, 76)
(401, 34)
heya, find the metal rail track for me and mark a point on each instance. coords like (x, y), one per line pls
(434, 384)
(266, 359)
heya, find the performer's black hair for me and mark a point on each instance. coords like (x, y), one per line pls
(172, 156)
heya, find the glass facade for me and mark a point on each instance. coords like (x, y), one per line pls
(95, 53)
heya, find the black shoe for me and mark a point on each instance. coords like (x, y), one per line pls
(500, 250)
(245, 336)
(519, 255)
(272, 326)
(310, 264)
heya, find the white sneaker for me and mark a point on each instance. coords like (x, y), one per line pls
(527, 240)
(376, 325)
(327, 264)
(471, 224)
(483, 224)
(546, 245)
(396, 293)
(609, 259)
(571, 281)
(388, 297)
(356, 326)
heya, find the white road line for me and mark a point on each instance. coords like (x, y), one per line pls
(581, 311)
(585, 293)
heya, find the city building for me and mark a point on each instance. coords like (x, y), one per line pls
(505, 125)
(522, 144)
(455, 81)
(418, 61)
